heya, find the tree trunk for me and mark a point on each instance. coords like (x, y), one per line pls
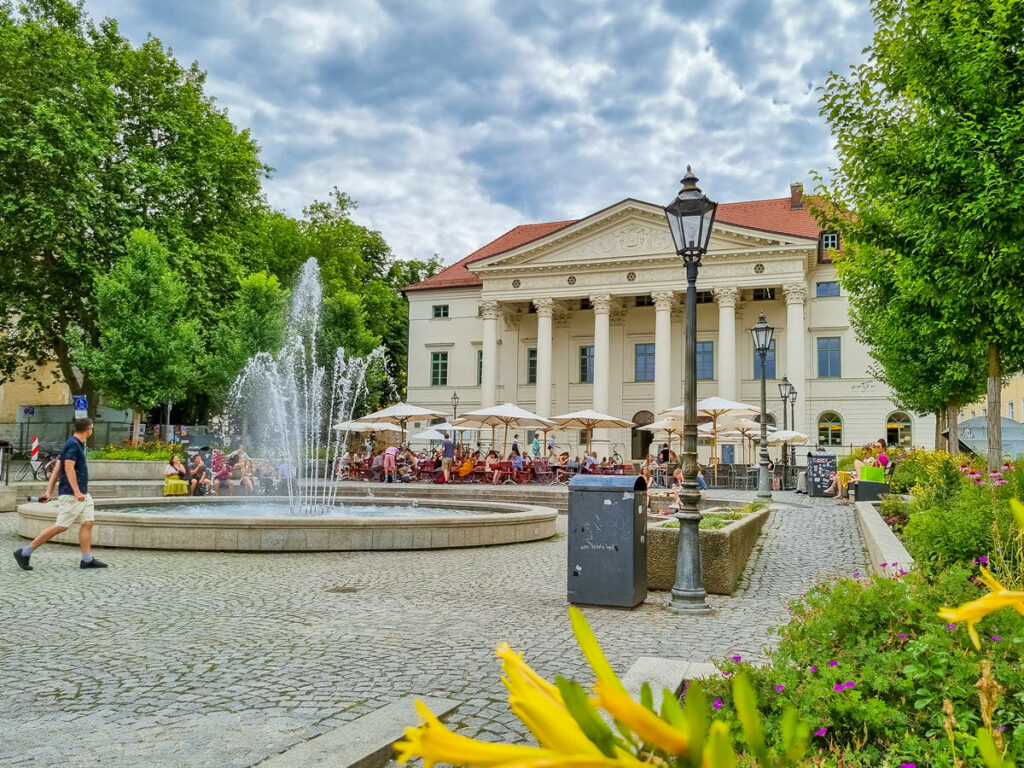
(940, 422)
(995, 428)
(136, 420)
(952, 424)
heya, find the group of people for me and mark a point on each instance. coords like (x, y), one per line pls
(872, 455)
(212, 473)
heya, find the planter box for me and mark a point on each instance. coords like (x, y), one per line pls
(105, 469)
(882, 544)
(723, 554)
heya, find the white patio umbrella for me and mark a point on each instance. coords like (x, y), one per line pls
(746, 428)
(589, 420)
(506, 414)
(715, 408)
(669, 425)
(360, 426)
(787, 437)
(432, 434)
(399, 414)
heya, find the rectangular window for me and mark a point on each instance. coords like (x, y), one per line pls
(829, 242)
(829, 357)
(479, 367)
(705, 360)
(586, 365)
(828, 289)
(439, 369)
(644, 362)
(703, 297)
(763, 294)
(440, 310)
(531, 365)
(769, 363)
(1009, 411)
(645, 301)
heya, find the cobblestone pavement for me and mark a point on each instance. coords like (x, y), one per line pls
(187, 659)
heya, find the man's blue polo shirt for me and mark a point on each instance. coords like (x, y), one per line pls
(74, 449)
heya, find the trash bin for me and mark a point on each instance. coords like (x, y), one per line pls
(821, 471)
(607, 540)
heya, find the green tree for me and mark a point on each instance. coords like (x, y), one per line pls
(929, 369)
(99, 138)
(930, 136)
(144, 352)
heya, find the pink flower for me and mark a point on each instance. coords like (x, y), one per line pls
(965, 468)
(1000, 482)
(717, 704)
(821, 732)
(974, 475)
(856, 574)
(994, 473)
(833, 663)
(838, 687)
(951, 626)
(814, 668)
(849, 684)
(908, 765)
(1007, 467)
(979, 481)
(737, 659)
(901, 635)
(997, 638)
(980, 560)
(780, 687)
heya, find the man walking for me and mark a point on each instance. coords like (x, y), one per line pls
(74, 504)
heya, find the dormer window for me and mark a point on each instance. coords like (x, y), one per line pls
(830, 241)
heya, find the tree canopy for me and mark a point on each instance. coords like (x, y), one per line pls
(930, 136)
(100, 138)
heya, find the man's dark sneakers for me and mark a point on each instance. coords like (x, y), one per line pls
(22, 560)
(94, 563)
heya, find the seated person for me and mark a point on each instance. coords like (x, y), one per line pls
(237, 455)
(467, 466)
(589, 461)
(174, 478)
(663, 454)
(516, 459)
(199, 484)
(223, 477)
(247, 480)
(492, 473)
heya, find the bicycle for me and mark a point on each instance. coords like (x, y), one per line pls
(41, 472)
(616, 456)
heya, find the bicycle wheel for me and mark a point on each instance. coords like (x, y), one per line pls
(23, 473)
(617, 458)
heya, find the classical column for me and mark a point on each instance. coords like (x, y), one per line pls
(796, 344)
(663, 301)
(602, 353)
(489, 376)
(545, 309)
(726, 362)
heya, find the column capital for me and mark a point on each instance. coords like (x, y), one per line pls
(796, 293)
(545, 307)
(562, 317)
(617, 314)
(490, 309)
(727, 296)
(663, 300)
(602, 303)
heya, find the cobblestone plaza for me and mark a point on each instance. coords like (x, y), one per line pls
(185, 659)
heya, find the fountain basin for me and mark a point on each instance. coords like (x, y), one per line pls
(462, 524)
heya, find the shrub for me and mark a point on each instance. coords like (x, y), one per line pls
(894, 662)
(954, 531)
(936, 470)
(137, 452)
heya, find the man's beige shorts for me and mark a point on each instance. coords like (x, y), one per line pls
(71, 511)
(446, 464)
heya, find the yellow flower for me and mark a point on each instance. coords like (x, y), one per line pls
(998, 598)
(644, 723)
(539, 705)
(436, 744)
(592, 649)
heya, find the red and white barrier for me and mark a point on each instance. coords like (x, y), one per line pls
(35, 452)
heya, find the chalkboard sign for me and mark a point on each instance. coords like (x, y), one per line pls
(821, 471)
(728, 454)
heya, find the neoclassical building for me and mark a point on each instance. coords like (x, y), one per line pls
(588, 313)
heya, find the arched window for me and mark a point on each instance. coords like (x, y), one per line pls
(898, 430)
(769, 419)
(830, 429)
(642, 438)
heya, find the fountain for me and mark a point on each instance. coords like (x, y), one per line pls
(298, 399)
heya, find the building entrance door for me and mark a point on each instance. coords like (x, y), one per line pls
(642, 438)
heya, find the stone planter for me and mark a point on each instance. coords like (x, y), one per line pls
(886, 553)
(723, 553)
(8, 498)
(104, 469)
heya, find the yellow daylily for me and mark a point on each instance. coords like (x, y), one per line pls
(644, 723)
(592, 649)
(436, 744)
(999, 597)
(539, 705)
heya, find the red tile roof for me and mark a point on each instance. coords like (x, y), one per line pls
(774, 215)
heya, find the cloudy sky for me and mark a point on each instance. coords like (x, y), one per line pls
(451, 121)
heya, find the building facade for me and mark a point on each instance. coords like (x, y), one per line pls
(561, 316)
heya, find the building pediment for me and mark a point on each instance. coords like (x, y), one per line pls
(628, 232)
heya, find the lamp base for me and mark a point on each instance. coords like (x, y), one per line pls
(689, 601)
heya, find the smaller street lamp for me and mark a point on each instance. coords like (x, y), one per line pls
(784, 389)
(762, 333)
(792, 420)
(455, 407)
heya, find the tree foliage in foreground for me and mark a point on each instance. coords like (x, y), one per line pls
(145, 349)
(930, 135)
(99, 138)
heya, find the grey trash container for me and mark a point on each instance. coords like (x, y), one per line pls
(607, 540)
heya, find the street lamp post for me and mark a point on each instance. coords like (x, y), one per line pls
(762, 333)
(690, 217)
(455, 414)
(784, 388)
(792, 420)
